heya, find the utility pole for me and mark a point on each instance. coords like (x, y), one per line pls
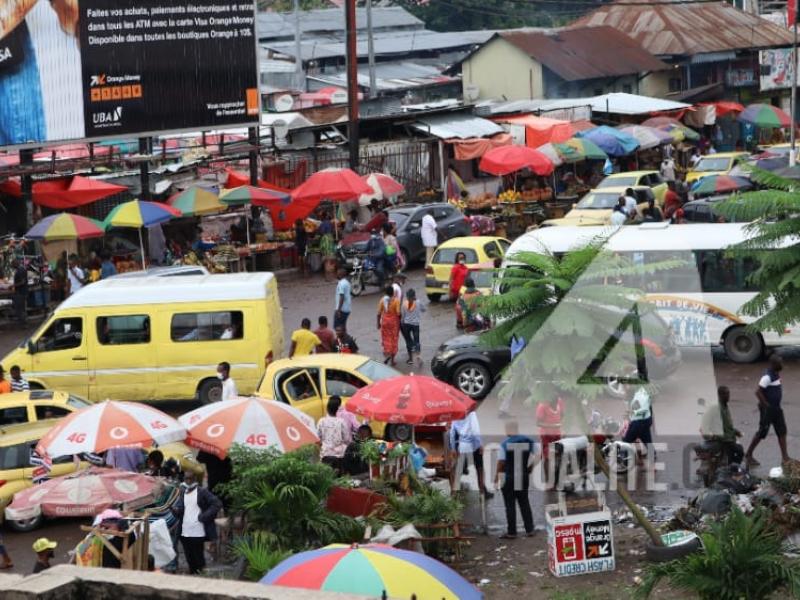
(23, 215)
(793, 133)
(253, 138)
(352, 81)
(144, 168)
(299, 80)
(373, 88)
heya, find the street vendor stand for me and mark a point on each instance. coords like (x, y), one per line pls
(134, 555)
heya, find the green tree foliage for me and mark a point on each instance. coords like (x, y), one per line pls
(742, 559)
(773, 215)
(467, 15)
(261, 553)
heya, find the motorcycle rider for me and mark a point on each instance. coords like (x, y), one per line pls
(376, 252)
(717, 427)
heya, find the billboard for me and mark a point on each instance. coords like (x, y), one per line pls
(776, 69)
(88, 69)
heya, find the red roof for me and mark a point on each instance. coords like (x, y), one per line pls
(585, 53)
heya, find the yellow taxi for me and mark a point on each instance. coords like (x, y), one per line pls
(307, 382)
(597, 206)
(27, 407)
(714, 164)
(477, 250)
(632, 179)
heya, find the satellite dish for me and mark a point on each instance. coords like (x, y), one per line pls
(471, 92)
(284, 103)
(280, 128)
(339, 97)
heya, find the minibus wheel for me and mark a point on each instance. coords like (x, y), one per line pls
(210, 391)
(743, 346)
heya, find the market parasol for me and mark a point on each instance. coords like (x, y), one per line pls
(611, 141)
(648, 137)
(65, 226)
(110, 424)
(410, 399)
(764, 161)
(138, 214)
(383, 187)
(720, 184)
(585, 148)
(248, 194)
(503, 160)
(196, 201)
(84, 494)
(336, 185)
(67, 192)
(373, 570)
(252, 422)
(789, 172)
(765, 116)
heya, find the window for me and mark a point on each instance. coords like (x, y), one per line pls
(46, 411)
(342, 383)
(127, 329)
(62, 334)
(441, 213)
(76, 402)
(626, 88)
(15, 457)
(724, 271)
(301, 386)
(504, 244)
(492, 251)
(14, 414)
(683, 278)
(194, 327)
(447, 256)
(375, 371)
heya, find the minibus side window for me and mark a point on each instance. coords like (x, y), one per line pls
(127, 329)
(62, 334)
(207, 326)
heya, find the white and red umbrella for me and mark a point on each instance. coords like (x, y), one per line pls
(383, 186)
(252, 422)
(110, 424)
(410, 399)
(84, 494)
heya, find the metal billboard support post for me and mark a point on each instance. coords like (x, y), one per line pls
(144, 169)
(352, 81)
(373, 91)
(26, 190)
(252, 134)
(792, 133)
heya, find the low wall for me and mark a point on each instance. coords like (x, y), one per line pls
(67, 582)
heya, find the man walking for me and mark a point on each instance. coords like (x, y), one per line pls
(769, 394)
(326, 335)
(75, 275)
(465, 440)
(196, 509)
(304, 341)
(343, 300)
(229, 390)
(515, 463)
(20, 298)
(430, 238)
(345, 344)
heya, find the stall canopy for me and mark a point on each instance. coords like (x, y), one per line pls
(68, 192)
(612, 141)
(476, 147)
(457, 126)
(541, 130)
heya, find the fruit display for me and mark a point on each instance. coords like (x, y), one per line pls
(458, 203)
(509, 196)
(537, 195)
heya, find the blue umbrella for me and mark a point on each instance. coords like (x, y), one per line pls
(612, 141)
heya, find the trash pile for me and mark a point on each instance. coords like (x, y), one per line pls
(779, 493)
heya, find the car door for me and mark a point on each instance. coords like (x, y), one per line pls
(61, 355)
(493, 250)
(125, 365)
(659, 187)
(300, 389)
(448, 220)
(412, 238)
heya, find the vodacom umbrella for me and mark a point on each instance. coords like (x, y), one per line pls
(252, 422)
(107, 425)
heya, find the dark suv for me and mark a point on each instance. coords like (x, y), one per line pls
(450, 222)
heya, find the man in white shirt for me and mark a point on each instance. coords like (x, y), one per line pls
(630, 203)
(695, 158)
(75, 275)
(196, 509)
(430, 239)
(229, 391)
(619, 215)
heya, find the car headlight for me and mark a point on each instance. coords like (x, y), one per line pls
(447, 354)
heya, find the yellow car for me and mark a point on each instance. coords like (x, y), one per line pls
(476, 249)
(632, 179)
(27, 407)
(714, 164)
(307, 382)
(596, 207)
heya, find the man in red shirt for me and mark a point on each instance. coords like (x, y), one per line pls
(672, 201)
(326, 336)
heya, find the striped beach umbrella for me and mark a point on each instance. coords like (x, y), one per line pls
(765, 116)
(65, 226)
(720, 184)
(138, 214)
(372, 570)
(248, 194)
(197, 201)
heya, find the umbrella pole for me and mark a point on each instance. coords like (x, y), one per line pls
(141, 248)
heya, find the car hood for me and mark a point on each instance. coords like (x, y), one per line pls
(599, 216)
(466, 340)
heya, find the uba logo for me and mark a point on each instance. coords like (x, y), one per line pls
(107, 117)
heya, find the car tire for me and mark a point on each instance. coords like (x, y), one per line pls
(743, 346)
(25, 525)
(210, 391)
(399, 432)
(434, 297)
(662, 554)
(474, 379)
(357, 286)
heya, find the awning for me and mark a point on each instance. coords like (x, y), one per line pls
(541, 130)
(458, 126)
(476, 147)
(68, 192)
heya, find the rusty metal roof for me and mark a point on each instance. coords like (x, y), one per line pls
(688, 28)
(585, 53)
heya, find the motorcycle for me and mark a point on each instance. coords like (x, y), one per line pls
(363, 273)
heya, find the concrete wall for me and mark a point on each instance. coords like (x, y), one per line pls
(656, 85)
(67, 582)
(555, 87)
(500, 69)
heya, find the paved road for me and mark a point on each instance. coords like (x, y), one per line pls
(676, 406)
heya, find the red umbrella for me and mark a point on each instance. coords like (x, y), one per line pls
(411, 399)
(383, 186)
(508, 159)
(67, 192)
(332, 184)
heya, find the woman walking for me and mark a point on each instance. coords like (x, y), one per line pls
(394, 257)
(458, 274)
(389, 324)
(410, 316)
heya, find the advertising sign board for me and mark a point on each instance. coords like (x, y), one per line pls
(579, 544)
(88, 69)
(776, 68)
